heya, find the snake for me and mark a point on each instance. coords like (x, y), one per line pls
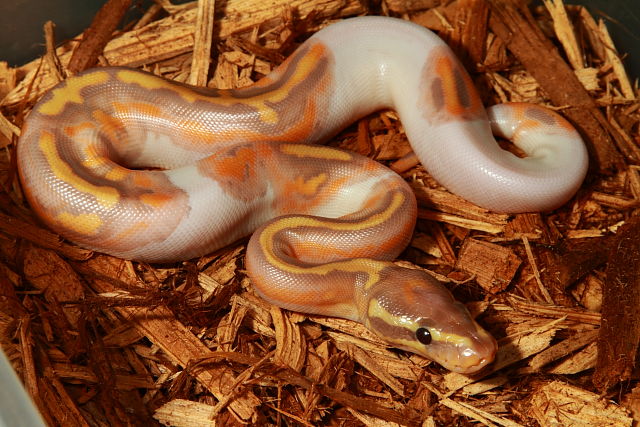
(124, 162)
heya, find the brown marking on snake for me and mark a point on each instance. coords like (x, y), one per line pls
(437, 94)
(464, 88)
(448, 92)
(309, 60)
(389, 331)
(70, 92)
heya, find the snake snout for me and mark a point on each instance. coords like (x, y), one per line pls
(476, 357)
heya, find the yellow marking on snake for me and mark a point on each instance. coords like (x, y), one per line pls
(117, 173)
(315, 152)
(303, 69)
(376, 310)
(371, 267)
(86, 224)
(70, 92)
(106, 196)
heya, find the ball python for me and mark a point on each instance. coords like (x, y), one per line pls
(130, 164)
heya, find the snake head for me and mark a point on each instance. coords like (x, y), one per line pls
(415, 312)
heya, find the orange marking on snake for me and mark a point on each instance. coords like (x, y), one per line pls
(156, 199)
(138, 107)
(109, 125)
(304, 127)
(298, 201)
(459, 92)
(73, 130)
(141, 179)
(305, 187)
(240, 167)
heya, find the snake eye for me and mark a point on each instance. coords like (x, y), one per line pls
(424, 336)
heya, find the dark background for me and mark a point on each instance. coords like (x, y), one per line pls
(21, 21)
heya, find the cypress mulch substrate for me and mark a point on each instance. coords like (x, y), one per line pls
(103, 341)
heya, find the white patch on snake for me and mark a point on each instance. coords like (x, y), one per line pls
(215, 219)
(160, 150)
(350, 198)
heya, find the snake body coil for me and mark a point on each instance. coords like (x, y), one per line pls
(221, 164)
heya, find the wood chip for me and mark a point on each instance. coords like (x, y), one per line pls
(557, 403)
(95, 38)
(562, 349)
(620, 333)
(185, 413)
(203, 43)
(493, 266)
